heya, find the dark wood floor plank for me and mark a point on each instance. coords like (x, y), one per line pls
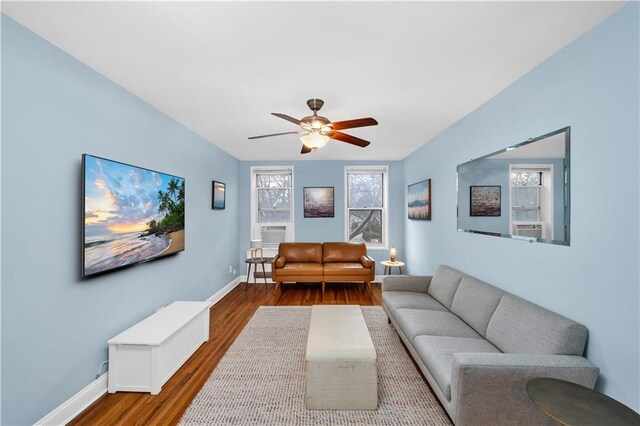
(227, 319)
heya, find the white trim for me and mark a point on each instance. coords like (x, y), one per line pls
(385, 202)
(215, 298)
(79, 402)
(69, 409)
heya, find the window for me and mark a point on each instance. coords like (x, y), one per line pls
(366, 205)
(272, 195)
(525, 195)
(531, 200)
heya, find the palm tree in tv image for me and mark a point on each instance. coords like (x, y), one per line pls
(171, 203)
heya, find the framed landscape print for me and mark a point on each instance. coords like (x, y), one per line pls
(219, 190)
(318, 201)
(419, 200)
(484, 200)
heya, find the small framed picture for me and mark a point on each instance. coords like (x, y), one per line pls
(218, 190)
(419, 200)
(485, 200)
(318, 201)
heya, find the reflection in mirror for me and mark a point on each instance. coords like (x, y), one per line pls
(519, 192)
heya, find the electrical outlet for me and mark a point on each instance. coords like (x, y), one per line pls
(230, 268)
(234, 271)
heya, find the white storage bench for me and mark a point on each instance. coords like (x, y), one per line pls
(341, 365)
(144, 357)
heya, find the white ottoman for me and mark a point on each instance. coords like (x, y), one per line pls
(341, 360)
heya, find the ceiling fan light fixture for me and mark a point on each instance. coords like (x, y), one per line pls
(314, 140)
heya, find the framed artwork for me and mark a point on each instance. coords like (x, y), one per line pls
(484, 200)
(318, 201)
(218, 196)
(419, 200)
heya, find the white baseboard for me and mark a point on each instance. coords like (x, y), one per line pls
(69, 409)
(215, 298)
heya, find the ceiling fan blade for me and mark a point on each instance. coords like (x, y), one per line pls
(305, 149)
(348, 139)
(350, 124)
(288, 118)
(277, 134)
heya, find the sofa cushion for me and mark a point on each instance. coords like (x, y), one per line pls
(344, 268)
(444, 284)
(408, 299)
(475, 302)
(416, 322)
(519, 326)
(343, 252)
(301, 269)
(436, 352)
(301, 252)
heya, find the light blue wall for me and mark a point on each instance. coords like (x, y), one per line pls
(326, 173)
(55, 325)
(496, 172)
(593, 86)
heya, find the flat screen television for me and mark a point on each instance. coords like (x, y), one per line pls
(130, 215)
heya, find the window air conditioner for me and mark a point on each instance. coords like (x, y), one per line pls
(534, 231)
(272, 235)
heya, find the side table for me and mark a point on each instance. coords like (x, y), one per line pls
(388, 265)
(572, 404)
(255, 261)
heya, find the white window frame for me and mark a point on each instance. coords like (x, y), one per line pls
(385, 203)
(255, 224)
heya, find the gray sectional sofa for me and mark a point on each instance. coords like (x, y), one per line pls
(478, 345)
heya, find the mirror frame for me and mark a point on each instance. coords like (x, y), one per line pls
(567, 190)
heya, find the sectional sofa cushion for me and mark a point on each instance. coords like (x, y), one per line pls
(437, 354)
(406, 283)
(416, 322)
(444, 285)
(475, 302)
(519, 326)
(410, 300)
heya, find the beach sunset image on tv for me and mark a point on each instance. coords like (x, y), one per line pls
(131, 214)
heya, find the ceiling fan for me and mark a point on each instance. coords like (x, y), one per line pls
(317, 130)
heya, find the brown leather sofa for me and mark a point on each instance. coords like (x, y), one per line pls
(322, 262)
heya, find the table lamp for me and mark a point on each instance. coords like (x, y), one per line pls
(393, 253)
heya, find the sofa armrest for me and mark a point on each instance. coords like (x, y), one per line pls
(490, 388)
(278, 262)
(367, 261)
(418, 284)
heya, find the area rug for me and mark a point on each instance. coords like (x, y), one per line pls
(261, 378)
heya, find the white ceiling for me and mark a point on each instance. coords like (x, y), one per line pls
(221, 68)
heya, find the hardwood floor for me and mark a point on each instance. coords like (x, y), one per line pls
(228, 318)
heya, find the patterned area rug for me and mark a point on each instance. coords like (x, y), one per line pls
(261, 378)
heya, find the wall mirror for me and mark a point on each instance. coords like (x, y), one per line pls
(519, 192)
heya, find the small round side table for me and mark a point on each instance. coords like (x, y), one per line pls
(388, 266)
(572, 404)
(255, 261)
